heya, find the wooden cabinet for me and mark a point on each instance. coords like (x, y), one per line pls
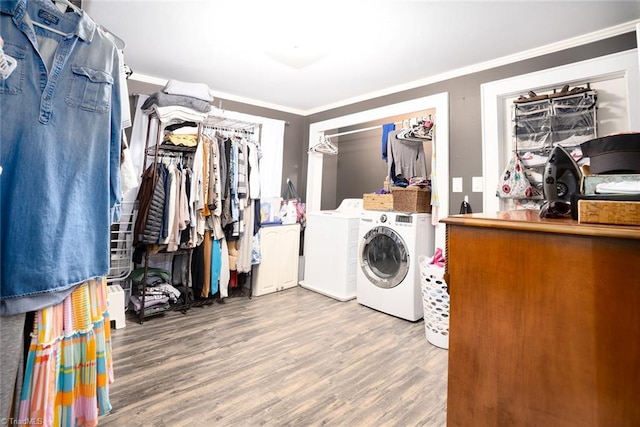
(278, 269)
(544, 322)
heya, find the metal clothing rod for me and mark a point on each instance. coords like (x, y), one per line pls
(349, 132)
(221, 123)
(216, 121)
(401, 122)
(361, 130)
(248, 131)
(225, 129)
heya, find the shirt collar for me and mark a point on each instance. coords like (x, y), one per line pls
(85, 28)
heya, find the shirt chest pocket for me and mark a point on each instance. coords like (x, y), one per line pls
(89, 89)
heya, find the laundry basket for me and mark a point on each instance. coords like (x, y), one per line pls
(435, 303)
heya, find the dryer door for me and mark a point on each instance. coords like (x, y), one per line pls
(384, 257)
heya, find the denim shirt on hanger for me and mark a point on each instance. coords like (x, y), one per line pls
(60, 154)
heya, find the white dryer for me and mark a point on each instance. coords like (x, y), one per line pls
(388, 278)
(331, 250)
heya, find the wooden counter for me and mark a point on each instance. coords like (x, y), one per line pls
(544, 322)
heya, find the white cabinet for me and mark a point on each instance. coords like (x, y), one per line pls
(278, 269)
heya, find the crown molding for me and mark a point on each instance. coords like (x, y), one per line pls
(482, 66)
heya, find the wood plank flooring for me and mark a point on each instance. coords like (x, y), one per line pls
(292, 358)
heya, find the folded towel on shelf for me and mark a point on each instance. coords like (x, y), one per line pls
(183, 128)
(161, 99)
(197, 90)
(174, 114)
(185, 140)
(620, 187)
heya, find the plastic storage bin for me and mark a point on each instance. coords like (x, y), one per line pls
(435, 302)
(115, 296)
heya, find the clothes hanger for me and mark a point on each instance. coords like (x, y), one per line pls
(46, 27)
(68, 5)
(120, 44)
(325, 146)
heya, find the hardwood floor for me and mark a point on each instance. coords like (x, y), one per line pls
(293, 358)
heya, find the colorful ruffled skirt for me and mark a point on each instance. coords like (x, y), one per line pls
(69, 367)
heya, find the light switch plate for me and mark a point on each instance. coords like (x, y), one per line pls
(456, 184)
(476, 184)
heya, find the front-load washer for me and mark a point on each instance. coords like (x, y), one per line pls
(388, 278)
(331, 250)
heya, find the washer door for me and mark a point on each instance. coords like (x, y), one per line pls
(384, 258)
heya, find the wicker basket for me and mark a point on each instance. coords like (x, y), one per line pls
(609, 212)
(377, 202)
(411, 199)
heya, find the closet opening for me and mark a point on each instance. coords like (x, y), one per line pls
(328, 183)
(361, 165)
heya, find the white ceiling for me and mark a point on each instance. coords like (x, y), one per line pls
(305, 56)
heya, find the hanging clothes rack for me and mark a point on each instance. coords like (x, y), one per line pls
(156, 151)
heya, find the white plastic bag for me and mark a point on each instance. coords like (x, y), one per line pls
(289, 213)
(128, 176)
